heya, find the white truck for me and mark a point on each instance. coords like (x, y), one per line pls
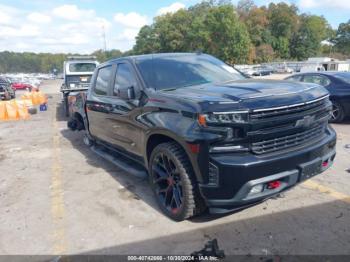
(77, 73)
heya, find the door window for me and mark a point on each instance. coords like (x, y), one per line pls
(317, 79)
(103, 77)
(124, 78)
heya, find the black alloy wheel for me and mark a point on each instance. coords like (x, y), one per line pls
(337, 113)
(172, 182)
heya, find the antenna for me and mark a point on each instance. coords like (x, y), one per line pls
(104, 38)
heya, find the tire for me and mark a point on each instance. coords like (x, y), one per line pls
(66, 105)
(172, 181)
(337, 114)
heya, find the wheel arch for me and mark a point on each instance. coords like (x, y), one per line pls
(156, 138)
(76, 122)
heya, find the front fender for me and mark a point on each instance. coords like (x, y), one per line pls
(184, 130)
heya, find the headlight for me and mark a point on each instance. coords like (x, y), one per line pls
(223, 118)
(71, 85)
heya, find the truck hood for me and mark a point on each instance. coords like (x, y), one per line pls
(248, 94)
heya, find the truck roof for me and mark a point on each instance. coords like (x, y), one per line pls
(80, 58)
(150, 56)
(81, 61)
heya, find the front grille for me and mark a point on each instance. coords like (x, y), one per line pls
(270, 113)
(286, 142)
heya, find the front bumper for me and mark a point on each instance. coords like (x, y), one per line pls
(239, 173)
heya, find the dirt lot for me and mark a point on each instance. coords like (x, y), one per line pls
(58, 197)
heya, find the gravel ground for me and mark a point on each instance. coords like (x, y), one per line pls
(58, 197)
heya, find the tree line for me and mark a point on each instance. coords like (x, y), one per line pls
(12, 62)
(237, 34)
(245, 33)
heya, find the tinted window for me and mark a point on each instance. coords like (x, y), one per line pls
(317, 79)
(124, 78)
(82, 67)
(102, 80)
(176, 71)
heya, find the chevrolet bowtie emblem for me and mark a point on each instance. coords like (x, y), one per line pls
(305, 122)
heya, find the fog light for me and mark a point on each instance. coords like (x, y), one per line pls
(257, 189)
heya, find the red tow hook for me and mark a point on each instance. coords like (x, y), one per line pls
(325, 163)
(274, 184)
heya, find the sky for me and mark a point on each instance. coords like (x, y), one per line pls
(62, 26)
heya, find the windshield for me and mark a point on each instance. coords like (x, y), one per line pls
(82, 67)
(176, 71)
(345, 77)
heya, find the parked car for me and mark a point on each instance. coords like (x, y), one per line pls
(22, 86)
(337, 84)
(205, 135)
(12, 90)
(262, 70)
(248, 71)
(312, 68)
(283, 69)
(6, 90)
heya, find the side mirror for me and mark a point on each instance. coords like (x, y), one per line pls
(127, 93)
(131, 93)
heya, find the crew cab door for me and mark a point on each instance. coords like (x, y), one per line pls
(124, 132)
(98, 104)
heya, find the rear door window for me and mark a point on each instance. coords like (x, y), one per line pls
(102, 82)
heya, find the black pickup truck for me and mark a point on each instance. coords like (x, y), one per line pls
(205, 135)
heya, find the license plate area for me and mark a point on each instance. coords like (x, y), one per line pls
(310, 169)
